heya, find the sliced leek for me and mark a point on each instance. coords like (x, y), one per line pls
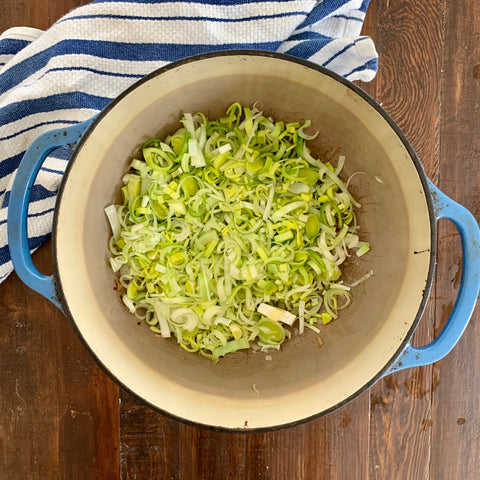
(230, 230)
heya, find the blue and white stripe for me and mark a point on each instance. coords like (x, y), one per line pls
(65, 75)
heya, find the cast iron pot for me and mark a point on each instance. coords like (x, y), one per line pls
(400, 208)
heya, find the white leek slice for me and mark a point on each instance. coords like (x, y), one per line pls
(111, 212)
(276, 314)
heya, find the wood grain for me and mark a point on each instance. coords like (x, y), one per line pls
(59, 411)
(62, 417)
(37, 14)
(155, 447)
(456, 402)
(409, 40)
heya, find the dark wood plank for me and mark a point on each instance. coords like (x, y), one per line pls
(347, 441)
(37, 14)
(455, 410)
(408, 38)
(327, 448)
(59, 412)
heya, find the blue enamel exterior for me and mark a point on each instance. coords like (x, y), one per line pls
(467, 226)
(18, 207)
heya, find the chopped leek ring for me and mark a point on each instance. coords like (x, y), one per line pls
(364, 248)
(270, 332)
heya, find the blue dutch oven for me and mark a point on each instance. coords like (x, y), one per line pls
(371, 338)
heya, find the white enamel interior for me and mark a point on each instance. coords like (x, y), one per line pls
(302, 380)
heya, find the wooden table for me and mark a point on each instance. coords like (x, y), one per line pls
(62, 417)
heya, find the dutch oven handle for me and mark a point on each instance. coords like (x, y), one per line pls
(18, 206)
(445, 207)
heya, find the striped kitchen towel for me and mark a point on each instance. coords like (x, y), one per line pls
(67, 74)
